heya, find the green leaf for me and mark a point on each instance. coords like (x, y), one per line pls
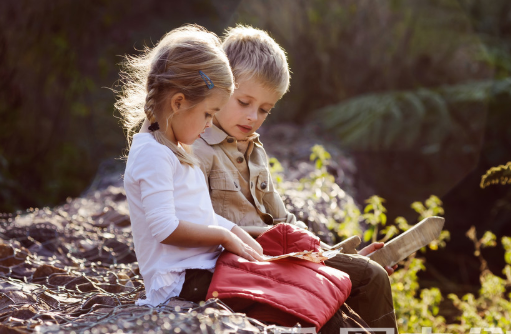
(506, 242)
(319, 164)
(368, 235)
(383, 218)
(368, 208)
(489, 239)
(418, 207)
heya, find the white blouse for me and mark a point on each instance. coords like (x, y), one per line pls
(161, 191)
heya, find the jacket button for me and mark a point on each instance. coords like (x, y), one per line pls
(230, 140)
(239, 160)
(251, 184)
(263, 185)
(235, 185)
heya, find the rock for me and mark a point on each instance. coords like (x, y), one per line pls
(20, 297)
(46, 270)
(56, 280)
(100, 300)
(49, 300)
(10, 330)
(5, 301)
(10, 257)
(24, 313)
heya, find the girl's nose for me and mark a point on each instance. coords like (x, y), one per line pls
(209, 123)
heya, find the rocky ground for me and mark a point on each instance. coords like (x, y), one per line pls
(72, 268)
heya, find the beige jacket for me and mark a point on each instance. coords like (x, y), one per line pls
(240, 185)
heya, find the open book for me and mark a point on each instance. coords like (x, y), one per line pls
(315, 257)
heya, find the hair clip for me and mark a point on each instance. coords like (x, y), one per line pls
(207, 80)
(154, 126)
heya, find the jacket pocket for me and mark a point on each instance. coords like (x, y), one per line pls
(224, 189)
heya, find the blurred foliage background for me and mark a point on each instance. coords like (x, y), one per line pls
(418, 92)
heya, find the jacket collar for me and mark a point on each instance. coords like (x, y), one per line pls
(214, 136)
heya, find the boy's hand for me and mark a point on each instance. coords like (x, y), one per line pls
(373, 247)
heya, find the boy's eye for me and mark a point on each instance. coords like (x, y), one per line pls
(243, 103)
(208, 115)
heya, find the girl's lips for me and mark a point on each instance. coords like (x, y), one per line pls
(244, 128)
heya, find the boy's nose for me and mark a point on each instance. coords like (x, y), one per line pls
(252, 114)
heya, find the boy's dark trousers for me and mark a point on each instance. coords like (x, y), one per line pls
(371, 295)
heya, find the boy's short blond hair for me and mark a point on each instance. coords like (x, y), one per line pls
(253, 53)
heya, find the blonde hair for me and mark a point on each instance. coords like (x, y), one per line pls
(173, 65)
(253, 53)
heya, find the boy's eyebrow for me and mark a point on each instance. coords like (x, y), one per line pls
(250, 96)
(253, 98)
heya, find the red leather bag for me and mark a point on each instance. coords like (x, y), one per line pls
(285, 291)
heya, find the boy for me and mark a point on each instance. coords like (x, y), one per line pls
(236, 169)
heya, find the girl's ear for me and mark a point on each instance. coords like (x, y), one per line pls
(176, 102)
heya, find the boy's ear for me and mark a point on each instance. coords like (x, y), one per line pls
(176, 102)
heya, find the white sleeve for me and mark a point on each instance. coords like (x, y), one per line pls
(153, 170)
(224, 222)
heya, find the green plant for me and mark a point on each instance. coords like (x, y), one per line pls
(374, 215)
(497, 175)
(492, 307)
(415, 309)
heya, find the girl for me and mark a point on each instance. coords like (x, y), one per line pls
(175, 89)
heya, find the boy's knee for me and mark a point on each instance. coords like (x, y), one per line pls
(377, 274)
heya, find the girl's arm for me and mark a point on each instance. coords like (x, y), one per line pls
(194, 235)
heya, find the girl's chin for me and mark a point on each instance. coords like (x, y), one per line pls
(189, 142)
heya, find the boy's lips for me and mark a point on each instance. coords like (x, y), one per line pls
(244, 128)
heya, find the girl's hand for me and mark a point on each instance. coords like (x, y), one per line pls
(246, 238)
(235, 245)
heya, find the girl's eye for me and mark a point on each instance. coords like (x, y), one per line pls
(243, 103)
(265, 111)
(208, 115)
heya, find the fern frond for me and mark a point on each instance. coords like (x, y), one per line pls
(401, 120)
(497, 175)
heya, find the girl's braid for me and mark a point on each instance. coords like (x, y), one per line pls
(149, 105)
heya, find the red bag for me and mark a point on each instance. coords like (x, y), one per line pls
(285, 291)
